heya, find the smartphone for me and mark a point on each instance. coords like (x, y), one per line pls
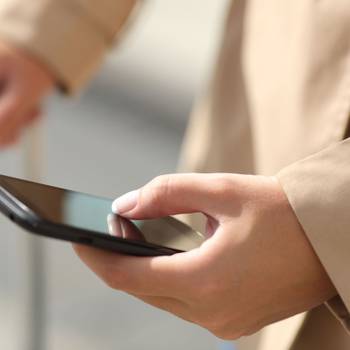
(82, 218)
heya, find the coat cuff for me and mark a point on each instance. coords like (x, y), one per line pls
(318, 189)
(59, 33)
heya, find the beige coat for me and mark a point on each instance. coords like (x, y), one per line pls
(278, 104)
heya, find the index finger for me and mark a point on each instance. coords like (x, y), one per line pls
(149, 276)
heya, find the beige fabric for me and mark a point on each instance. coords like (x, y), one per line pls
(282, 86)
(322, 206)
(70, 36)
(281, 335)
(321, 331)
(280, 93)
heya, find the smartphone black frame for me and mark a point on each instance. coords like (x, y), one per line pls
(22, 215)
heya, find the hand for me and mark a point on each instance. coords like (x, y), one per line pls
(24, 83)
(256, 268)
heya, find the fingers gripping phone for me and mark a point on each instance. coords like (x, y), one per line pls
(77, 217)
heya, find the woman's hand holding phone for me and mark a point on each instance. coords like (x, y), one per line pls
(256, 267)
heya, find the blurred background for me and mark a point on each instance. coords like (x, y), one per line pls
(125, 129)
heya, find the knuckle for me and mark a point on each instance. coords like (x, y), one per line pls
(223, 183)
(221, 325)
(223, 329)
(215, 325)
(211, 323)
(252, 331)
(227, 334)
(213, 320)
(159, 189)
(160, 182)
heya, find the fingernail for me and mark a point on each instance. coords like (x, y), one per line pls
(125, 203)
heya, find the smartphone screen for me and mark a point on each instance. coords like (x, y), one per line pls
(93, 213)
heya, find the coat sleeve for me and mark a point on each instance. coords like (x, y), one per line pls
(69, 36)
(318, 189)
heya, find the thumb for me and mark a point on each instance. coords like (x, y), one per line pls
(171, 195)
